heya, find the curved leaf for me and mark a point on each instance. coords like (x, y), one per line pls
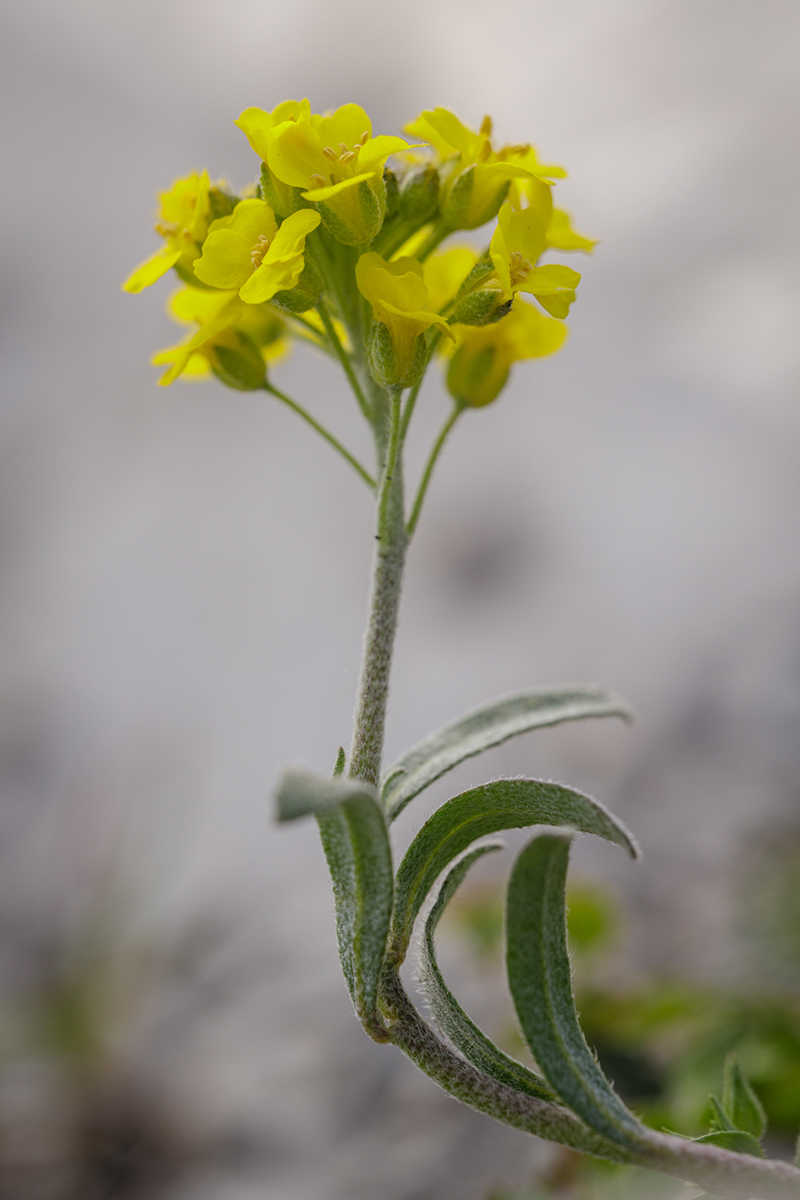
(450, 1016)
(488, 726)
(541, 986)
(356, 845)
(503, 804)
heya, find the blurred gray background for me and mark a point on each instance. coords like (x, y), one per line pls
(184, 571)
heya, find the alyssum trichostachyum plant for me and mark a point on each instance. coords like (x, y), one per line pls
(334, 247)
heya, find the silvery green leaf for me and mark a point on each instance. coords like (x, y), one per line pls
(502, 804)
(450, 1016)
(488, 726)
(300, 792)
(356, 845)
(733, 1139)
(740, 1102)
(541, 986)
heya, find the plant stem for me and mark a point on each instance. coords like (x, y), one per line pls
(431, 463)
(344, 359)
(387, 576)
(709, 1167)
(323, 432)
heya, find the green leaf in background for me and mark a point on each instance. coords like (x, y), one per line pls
(541, 986)
(503, 804)
(450, 1016)
(740, 1102)
(488, 726)
(356, 845)
(720, 1121)
(733, 1139)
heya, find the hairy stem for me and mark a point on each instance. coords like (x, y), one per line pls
(387, 576)
(707, 1166)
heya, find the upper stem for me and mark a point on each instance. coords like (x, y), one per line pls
(387, 577)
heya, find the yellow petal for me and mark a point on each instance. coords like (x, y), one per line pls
(152, 269)
(271, 277)
(295, 154)
(422, 317)
(561, 235)
(378, 149)
(318, 195)
(225, 261)
(444, 273)
(346, 125)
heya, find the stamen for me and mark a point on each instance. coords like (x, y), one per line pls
(343, 148)
(518, 266)
(259, 250)
(365, 137)
(330, 153)
(486, 126)
(318, 180)
(347, 156)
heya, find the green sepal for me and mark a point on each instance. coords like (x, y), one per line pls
(356, 845)
(392, 193)
(354, 216)
(383, 362)
(541, 986)
(304, 295)
(482, 307)
(419, 194)
(733, 1139)
(740, 1102)
(450, 1016)
(282, 198)
(502, 804)
(487, 726)
(236, 361)
(455, 207)
(720, 1121)
(220, 203)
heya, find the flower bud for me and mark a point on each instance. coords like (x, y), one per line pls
(419, 193)
(475, 377)
(236, 361)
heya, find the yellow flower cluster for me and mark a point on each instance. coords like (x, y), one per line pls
(336, 247)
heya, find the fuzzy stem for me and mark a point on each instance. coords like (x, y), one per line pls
(707, 1166)
(387, 576)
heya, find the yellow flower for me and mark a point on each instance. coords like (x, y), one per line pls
(260, 128)
(476, 177)
(249, 252)
(559, 235)
(398, 295)
(183, 221)
(338, 164)
(480, 364)
(234, 339)
(516, 245)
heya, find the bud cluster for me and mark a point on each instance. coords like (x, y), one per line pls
(338, 243)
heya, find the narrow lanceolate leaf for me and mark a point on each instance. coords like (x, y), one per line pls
(503, 804)
(740, 1102)
(450, 1016)
(488, 726)
(541, 986)
(356, 844)
(733, 1139)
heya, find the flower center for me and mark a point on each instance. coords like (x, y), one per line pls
(518, 267)
(259, 250)
(343, 162)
